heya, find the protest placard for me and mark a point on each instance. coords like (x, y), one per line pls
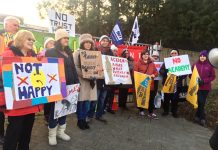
(158, 66)
(69, 104)
(28, 82)
(66, 21)
(91, 64)
(178, 65)
(116, 70)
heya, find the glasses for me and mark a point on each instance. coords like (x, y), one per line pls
(29, 39)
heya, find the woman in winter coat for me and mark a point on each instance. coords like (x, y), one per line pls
(146, 66)
(173, 97)
(48, 44)
(88, 89)
(18, 133)
(123, 89)
(207, 75)
(57, 127)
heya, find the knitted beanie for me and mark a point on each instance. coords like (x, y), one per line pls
(61, 33)
(104, 37)
(204, 53)
(155, 53)
(48, 40)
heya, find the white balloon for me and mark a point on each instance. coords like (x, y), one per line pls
(213, 57)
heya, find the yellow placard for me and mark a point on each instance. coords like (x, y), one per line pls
(192, 96)
(142, 87)
(169, 84)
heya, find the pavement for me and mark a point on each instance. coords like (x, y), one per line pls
(126, 130)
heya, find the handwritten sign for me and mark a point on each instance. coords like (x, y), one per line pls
(29, 82)
(178, 65)
(116, 70)
(158, 66)
(69, 104)
(61, 19)
(91, 64)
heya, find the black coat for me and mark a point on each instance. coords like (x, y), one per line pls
(69, 66)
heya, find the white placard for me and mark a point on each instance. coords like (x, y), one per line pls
(178, 65)
(66, 21)
(69, 104)
(116, 70)
(158, 66)
(35, 80)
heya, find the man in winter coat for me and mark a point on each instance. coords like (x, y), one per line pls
(11, 26)
(102, 89)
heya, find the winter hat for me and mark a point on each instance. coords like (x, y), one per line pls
(104, 37)
(173, 51)
(61, 33)
(124, 51)
(204, 53)
(86, 38)
(48, 40)
(155, 53)
(113, 47)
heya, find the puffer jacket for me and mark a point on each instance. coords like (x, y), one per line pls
(11, 52)
(206, 73)
(146, 68)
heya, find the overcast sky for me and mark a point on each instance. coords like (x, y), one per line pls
(23, 8)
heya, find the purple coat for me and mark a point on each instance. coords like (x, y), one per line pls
(206, 73)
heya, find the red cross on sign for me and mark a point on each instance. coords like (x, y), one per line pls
(22, 80)
(52, 77)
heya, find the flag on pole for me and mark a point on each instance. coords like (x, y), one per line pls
(169, 85)
(142, 87)
(192, 96)
(117, 34)
(135, 32)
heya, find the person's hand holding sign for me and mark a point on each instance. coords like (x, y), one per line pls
(99, 68)
(152, 76)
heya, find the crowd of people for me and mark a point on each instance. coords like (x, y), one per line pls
(95, 97)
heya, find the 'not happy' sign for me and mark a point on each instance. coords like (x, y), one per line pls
(33, 80)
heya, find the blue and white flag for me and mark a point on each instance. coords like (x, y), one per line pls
(135, 32)
(117, 35)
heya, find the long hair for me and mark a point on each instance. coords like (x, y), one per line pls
(59, 47)
(92, 46)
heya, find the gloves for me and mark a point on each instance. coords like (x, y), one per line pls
(92, 82)
(200, 82)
